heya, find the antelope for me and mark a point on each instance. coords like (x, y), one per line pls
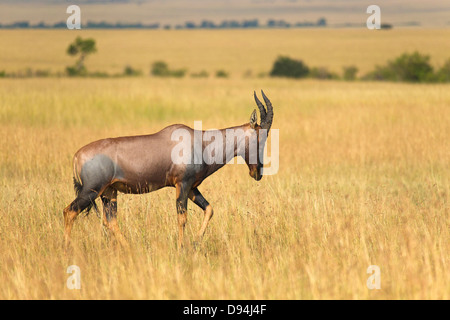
(144, 163)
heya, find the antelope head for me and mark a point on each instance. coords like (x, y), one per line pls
(258, 133)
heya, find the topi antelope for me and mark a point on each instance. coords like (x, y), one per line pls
(142, 164)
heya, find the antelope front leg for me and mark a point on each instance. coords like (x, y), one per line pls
(181, 211)
(200, 201)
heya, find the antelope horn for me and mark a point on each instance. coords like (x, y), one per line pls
(266, 123)
(261, 108)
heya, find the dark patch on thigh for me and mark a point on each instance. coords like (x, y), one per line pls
(98, 172)
(84, 201)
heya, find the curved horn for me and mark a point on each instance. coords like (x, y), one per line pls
(267, 122)
(261, 108)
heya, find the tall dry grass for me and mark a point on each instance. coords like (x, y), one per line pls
(363, 180)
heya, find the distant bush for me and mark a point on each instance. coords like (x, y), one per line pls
(322, 73)
(161, 69)
(201, 74)
(408, 67)
(179, 73)
(73, 71)
(25, 73)
(443, 74)
(412, 67)
(349, 73)
(287, 67)
(130, 71)
(222, 74)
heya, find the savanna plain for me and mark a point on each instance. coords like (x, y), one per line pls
(363, 169)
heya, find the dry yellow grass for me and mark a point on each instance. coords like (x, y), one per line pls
(363, 180)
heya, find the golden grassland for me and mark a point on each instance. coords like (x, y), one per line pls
(363, 180)
(235, 51)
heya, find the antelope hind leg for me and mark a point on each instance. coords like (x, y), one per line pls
(109, 200)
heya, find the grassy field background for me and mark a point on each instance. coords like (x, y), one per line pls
(363, 176)
(235, 51)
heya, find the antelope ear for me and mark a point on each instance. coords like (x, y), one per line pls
(253, 119)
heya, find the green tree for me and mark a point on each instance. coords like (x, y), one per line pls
(81, 48)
